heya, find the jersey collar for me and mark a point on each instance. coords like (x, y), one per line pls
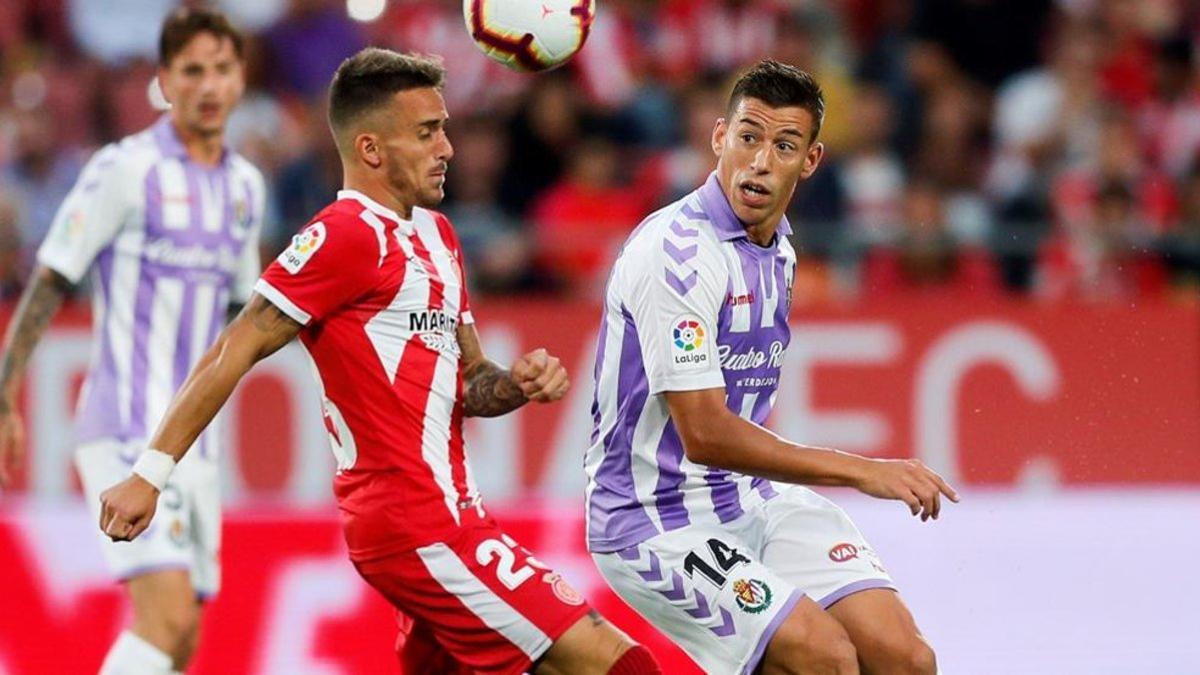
(406, 226)
(720, 213)
(171, 145)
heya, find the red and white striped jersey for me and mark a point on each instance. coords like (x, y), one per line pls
(380, 299)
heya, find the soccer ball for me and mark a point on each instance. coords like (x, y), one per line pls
(529, 35)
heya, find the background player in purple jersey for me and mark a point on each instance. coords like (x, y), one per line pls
(685, 518)
(167, 221)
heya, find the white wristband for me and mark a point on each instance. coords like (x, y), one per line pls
(155, 467)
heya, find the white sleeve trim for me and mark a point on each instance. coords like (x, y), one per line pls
(277, 298)
(60, 262)
(714, 379)
(468, 317)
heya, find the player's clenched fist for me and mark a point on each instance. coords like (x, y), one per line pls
(127, 508)
(909, 481)
(540, 376)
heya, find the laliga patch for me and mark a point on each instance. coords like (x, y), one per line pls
(690, 339)
(304, 245)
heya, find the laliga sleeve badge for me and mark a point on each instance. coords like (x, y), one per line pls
(302, 248)
(562, 590)
(689, 337)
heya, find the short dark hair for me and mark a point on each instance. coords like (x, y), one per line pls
(183, 24)
(370, 78)
(780, 85)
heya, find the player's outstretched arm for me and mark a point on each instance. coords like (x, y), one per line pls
(259, 331)
(490, 391)
(39, 303)
(715, 436)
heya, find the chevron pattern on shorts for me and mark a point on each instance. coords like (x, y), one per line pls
(678, 591)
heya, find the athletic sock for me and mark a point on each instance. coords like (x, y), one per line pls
(637, 660)
(131, 655)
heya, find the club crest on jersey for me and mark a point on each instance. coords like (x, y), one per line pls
(562, 590)
(178, 533)
(303, 246)
(689, 340)
(753, 596)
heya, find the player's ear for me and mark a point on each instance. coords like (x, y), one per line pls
(367, 147)
(164, 84)
(813, 159)
(718, 136)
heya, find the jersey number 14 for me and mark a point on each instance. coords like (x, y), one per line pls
(725, 557)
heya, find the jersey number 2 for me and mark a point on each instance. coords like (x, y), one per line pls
(502, 552)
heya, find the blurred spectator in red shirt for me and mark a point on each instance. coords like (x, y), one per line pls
(1128, 67)
(1117, 158)
(1170, 122)
(708, 35)
(1101, 256)
(543, 132)
(581, 221)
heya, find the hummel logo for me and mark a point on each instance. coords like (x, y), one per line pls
(739, 300)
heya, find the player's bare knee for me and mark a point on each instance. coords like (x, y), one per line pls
(923, 660)
(913, 657)
(834, 657)
(841, 657)
(810, 642)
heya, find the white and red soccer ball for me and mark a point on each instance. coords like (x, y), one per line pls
(529, 35)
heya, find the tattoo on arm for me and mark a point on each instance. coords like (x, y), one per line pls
(39, 304)
(489, 390)
(597, 620)
(279, 328)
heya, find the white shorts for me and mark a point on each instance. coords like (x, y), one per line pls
(720, 591)
(186, 531)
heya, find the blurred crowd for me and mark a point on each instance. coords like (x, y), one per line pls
(1032, 147)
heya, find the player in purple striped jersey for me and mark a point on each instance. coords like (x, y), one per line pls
(167, 221)
(695, 512)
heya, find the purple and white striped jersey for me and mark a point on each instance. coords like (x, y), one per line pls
(691, 304)
(170, 244)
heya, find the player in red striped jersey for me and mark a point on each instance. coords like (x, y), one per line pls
(375, 288)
